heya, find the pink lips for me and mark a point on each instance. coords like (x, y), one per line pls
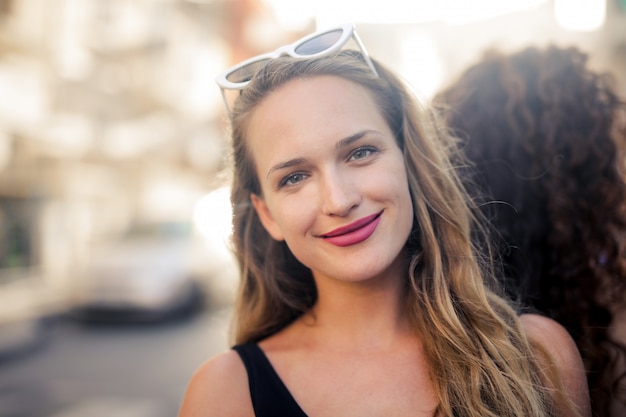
(353, 233)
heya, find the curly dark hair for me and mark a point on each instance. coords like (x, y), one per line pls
(545, 138)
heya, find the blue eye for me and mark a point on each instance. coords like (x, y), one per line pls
(292, 179)
(362, 153)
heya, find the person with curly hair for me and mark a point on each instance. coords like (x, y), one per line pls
(361, 291)
(544, 138)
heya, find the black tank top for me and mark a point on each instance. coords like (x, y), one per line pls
(270, 397)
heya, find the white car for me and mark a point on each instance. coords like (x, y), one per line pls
(149, 273)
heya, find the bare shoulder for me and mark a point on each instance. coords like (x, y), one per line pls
(562, 350)
(556, 341)
(218, 388)
(552, 336)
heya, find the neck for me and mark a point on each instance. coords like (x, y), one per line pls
(365, 314)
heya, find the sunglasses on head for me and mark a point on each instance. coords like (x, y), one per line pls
(312, 46)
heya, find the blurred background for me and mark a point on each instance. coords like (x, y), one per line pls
(115, 277)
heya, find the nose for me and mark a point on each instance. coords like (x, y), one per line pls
(338, 195)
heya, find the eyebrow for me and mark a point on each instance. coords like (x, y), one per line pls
(353, 138)
(286, 164)
(340, 145)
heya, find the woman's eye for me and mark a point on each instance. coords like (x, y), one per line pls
(362, 153)
(292, 179)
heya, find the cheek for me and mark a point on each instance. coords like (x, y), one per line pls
(391, 181)
(294, 214)
(402, 194)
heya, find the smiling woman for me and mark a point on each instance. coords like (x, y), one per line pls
(361, 292)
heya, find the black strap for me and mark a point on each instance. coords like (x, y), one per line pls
(270, 397)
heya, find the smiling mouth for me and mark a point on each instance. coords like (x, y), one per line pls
(355, 232)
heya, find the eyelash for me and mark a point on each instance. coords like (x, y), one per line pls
(285, 181)
(370, 150)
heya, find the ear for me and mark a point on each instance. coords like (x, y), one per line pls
(267, 220)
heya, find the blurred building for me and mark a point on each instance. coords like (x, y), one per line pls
(109, 116)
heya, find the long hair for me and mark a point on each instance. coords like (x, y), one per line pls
(545, 136)
(481, 363)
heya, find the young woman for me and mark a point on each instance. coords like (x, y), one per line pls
(546, 136)
(361, 293)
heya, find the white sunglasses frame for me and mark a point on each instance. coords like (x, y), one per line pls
(347, 31)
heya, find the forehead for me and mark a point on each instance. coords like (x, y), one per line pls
(313, 105)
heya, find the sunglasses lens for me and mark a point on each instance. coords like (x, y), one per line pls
(319, 43)
(247, 72)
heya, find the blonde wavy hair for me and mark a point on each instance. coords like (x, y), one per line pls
(481, 363)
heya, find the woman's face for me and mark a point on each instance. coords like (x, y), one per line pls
(332, 176)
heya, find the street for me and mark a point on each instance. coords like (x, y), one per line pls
(85, 370)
